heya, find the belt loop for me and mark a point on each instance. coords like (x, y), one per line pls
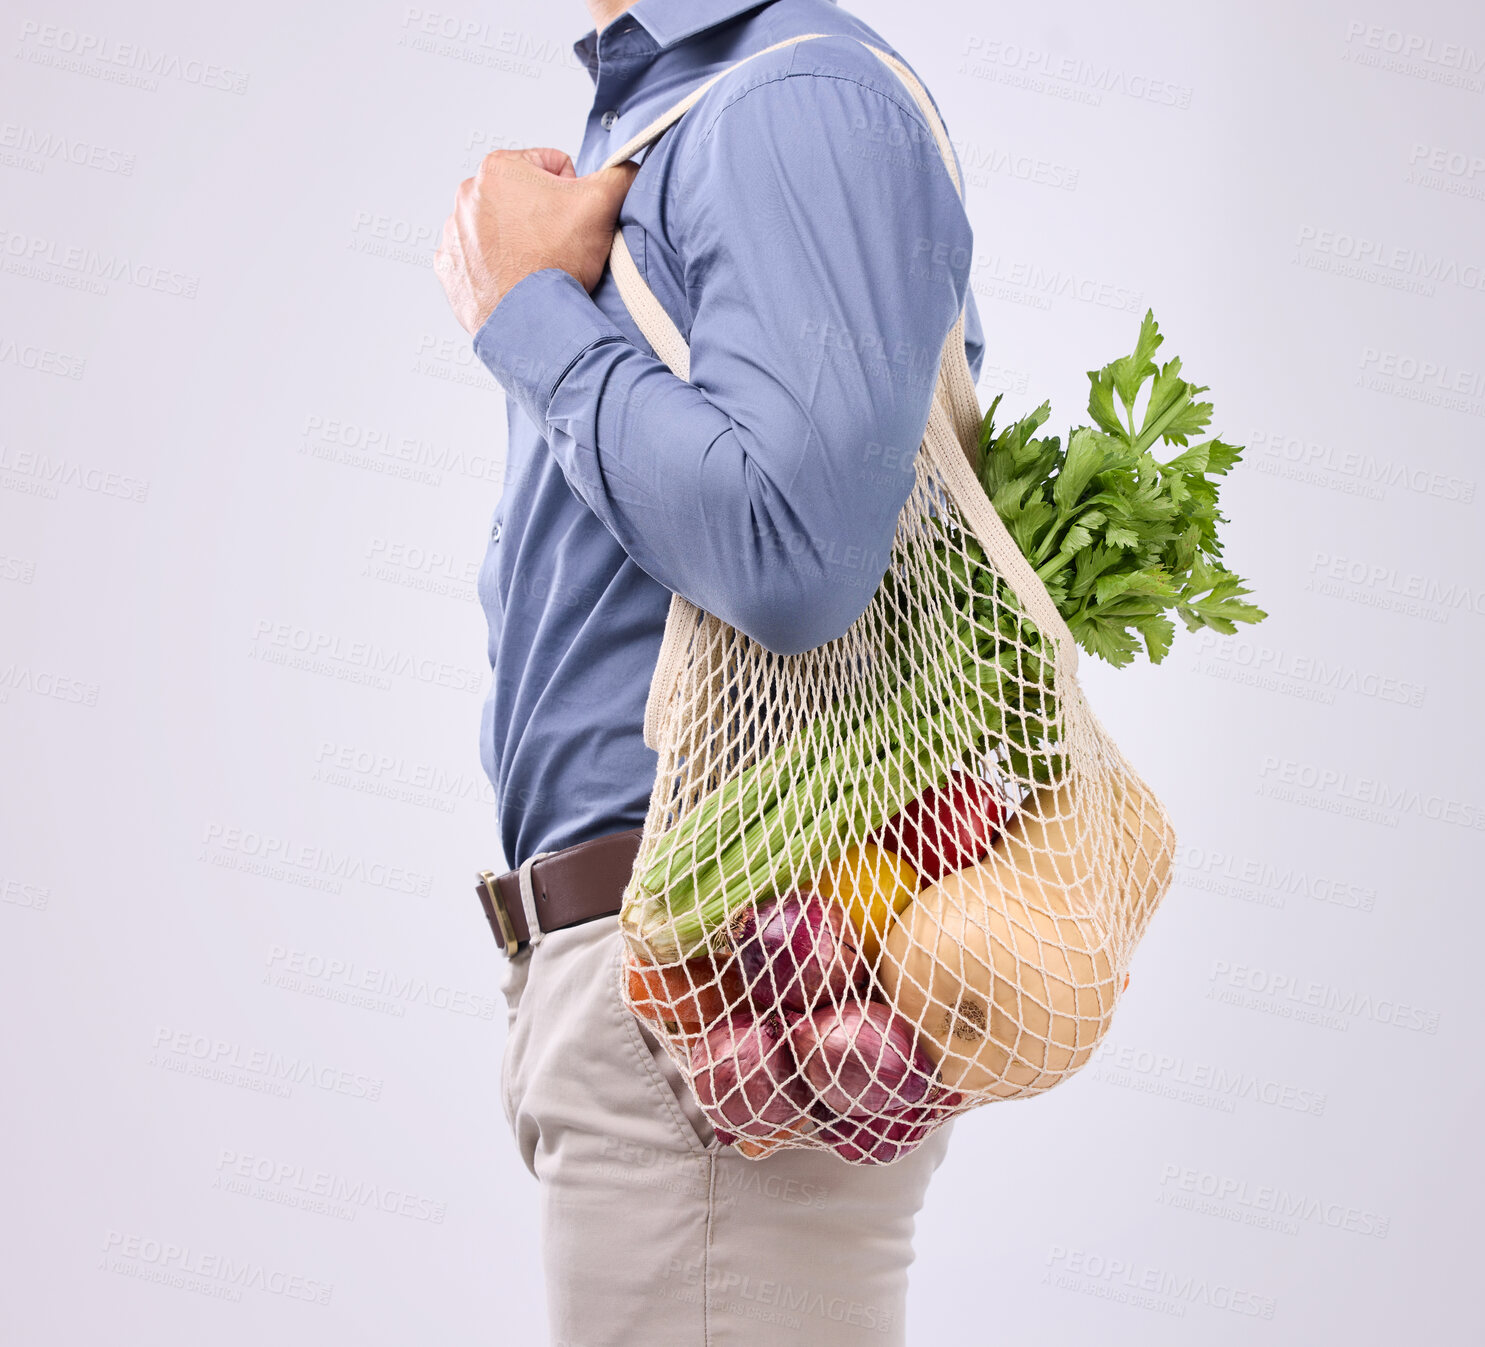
(534, 932)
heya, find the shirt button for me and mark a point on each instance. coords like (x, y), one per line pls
(495, 532)
(608, 119)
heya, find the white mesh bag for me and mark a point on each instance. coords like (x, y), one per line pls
(899, 875)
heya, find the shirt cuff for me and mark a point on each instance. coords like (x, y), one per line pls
(537, 332)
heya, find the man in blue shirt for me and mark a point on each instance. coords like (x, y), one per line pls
(801, 230)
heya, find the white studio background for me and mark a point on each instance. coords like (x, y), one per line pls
(264, 436)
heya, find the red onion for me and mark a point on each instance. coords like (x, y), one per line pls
(862, 1059)
(872, 1141)
(745, 1077)
(875, 1141)
(795, 949)
(940, 1102)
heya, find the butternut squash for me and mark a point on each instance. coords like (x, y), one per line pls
(1011, 967)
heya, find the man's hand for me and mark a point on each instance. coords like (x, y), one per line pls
(524, 210)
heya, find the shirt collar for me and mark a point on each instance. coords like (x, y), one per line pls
(667, 21)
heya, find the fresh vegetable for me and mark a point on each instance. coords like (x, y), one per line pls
(793, 950)
(756, 1147)
(682, 999)
(880, 1141)
(861, 1058)
(945, 828)
(1120, 539)
(1004, 966)
(871, 886)
(876, 1141)
(745, 1077)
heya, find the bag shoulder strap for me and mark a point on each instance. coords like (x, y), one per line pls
(671, 115)
(956, 381)
(646, 310)
(956, 402)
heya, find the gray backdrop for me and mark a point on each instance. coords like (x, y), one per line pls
(246, 467)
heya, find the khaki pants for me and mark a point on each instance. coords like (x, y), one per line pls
(653, 1234)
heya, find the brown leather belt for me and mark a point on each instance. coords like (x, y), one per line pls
(567, 887)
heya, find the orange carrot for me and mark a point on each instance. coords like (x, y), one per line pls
(683, 998)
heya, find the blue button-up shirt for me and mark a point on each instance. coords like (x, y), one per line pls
(801, 230)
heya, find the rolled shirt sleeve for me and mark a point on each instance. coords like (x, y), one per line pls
(826, 256)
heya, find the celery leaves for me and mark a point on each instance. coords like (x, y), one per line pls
(1121, 540)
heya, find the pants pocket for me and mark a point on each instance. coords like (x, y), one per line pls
(667, 1079)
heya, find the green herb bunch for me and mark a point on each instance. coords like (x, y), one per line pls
(1120, 539)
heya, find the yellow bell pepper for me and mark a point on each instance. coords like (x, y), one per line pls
(872, 885)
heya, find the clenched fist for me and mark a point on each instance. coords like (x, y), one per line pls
(524, 210)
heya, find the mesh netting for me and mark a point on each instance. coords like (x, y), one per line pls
(893, 877)
(900, 875)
